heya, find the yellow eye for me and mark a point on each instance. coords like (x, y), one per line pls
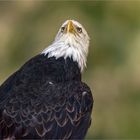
(79, 30)
(62, 29)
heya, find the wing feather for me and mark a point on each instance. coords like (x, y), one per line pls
(31, 109)
(62, 118)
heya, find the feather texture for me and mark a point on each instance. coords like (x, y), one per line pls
(45, 99)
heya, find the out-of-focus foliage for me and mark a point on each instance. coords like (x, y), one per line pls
(27, 27)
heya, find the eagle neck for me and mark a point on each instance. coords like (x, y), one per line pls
(66, 50)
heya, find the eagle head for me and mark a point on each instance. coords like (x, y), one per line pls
(71, 41)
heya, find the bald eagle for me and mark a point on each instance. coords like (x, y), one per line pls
(45, 98)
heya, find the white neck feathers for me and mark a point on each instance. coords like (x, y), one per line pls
(68, 48)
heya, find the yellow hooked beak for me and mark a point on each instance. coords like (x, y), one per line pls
(70, 27)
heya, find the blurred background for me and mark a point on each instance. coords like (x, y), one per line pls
(113, 73)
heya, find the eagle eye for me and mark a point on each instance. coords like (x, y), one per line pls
(79, 30)
(62, 29)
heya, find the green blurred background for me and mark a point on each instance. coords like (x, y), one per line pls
(113, 73)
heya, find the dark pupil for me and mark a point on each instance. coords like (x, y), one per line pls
(62, 29)
(79, 29)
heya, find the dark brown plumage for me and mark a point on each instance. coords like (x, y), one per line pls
(38, 102)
